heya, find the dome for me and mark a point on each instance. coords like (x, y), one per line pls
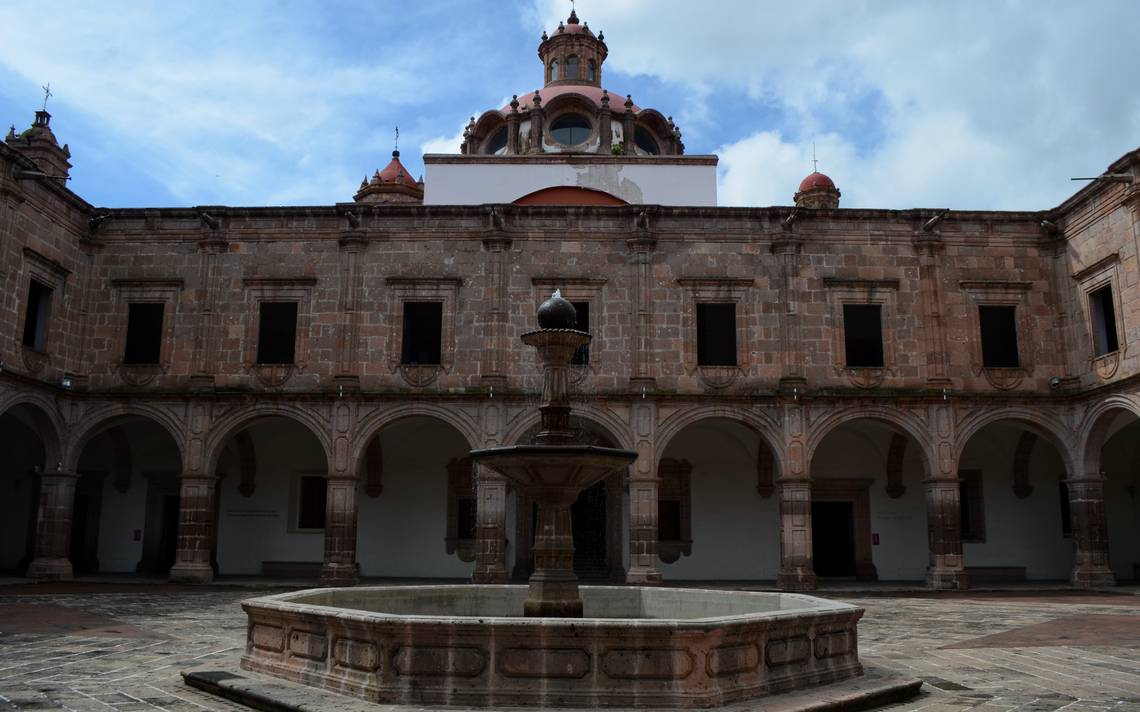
(816, 181)
(395, 172)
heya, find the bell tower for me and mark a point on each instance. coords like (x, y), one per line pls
(573, 54)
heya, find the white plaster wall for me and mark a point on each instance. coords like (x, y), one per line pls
(261, 527)
(735, 531)
(401, 533)
(1122, 502)
(859, 450)
(1019, 532)
(476, 183)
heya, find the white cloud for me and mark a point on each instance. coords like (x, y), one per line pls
(979, 104)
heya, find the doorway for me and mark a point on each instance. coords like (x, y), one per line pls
(833, 538)
(588, 519)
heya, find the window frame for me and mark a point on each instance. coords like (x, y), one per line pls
(578, 289)
(406, 342)
(698, 290)
(421, 289)
(150, 291)
(1102, 273)
(1000, 293)
(1011, 310)
(842, 291)
(277, 289)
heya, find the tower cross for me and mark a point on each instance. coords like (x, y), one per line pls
(47, 94)
(397, 146)
(814, 162)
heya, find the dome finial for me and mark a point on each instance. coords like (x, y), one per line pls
(573, 19)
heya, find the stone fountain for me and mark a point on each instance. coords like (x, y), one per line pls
(555, 469)
(552, 643)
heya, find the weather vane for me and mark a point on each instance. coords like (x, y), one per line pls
(397, 138)
(47, 94)
(814, 162)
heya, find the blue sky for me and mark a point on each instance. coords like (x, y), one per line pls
(975, 104)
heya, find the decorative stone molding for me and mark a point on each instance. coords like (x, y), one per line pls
(881, 292)
(277, 289)
(1105, 272)
(152, 291)
(704, 290)
(1000, 293)
(422, 289)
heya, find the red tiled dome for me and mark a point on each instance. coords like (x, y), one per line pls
(395, 170)
(815, 181)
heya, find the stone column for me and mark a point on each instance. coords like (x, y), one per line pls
(605, 126)
(1090, 533)
(641, 248)
(929, 248)
(348, 327)
(796, 572)
(53, 528)
(495, 348)
(643, 563)
(513, 120)
(339, 568)
(787, 249)
(629, 128)
(947, 568)
(197, 503)
(491, 534)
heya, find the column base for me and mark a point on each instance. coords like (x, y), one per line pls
(1093, 578)
(645, 576)
(339, 575)
(50, 570)
(553, 594)
(947, 579)
(191, 573)
(796, 580)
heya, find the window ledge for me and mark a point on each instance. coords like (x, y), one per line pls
(34, 360)
(140, 374)
(718, 377)
(1107, 364)
(1003, 378)
(420, 375)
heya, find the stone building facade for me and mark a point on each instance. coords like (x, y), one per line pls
(813, 391)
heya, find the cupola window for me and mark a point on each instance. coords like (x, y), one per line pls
(572, 67)
(554, 70)
(571, 129)
(497, 144)
(645, 142)
(591, 71)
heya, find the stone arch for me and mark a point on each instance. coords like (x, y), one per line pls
(232, 423)
(374, 423)
(898, 420)
(767, 431)
(102, 419)
(609, 421)
(1048, 428)
(44, 421)
(1094, 429)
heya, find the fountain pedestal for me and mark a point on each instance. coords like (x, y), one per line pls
(555, 469)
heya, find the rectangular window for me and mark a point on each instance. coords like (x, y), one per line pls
(716, 334)
(311, 507)
(1066, 521)
(144, 333)
(999, 336)
(277, 333)
(582, 355)
(423, 329)
(863, 335)
(36, 316)
(1103, 311)
(971, 506)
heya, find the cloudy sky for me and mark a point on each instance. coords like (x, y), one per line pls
(965, 104)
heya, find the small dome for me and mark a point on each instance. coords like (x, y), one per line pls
(395, 172)
(816, 181)
(557, 313)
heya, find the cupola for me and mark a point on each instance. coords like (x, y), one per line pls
(817, 191)
(573, 54)
(39, 144)
(393, 184)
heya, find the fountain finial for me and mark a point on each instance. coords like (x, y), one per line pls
(557, 313)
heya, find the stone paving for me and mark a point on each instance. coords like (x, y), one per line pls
(91, 647)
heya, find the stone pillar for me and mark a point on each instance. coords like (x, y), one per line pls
(643, 562)
(605, 126)
(212, 250)
(495, 347)
(53, 528)
(197, 504)
(629, 128)
(339, 568)
(491, 534)
(796, 572)
(641, 248)
(537, 124)
(513, 120)
(1090, 533)
(947, 568)
(348, 326)
(929, 248)
(553, 586)
(787, 248)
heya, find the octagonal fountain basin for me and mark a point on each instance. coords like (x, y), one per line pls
(470, 645)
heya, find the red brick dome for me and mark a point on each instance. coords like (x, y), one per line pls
(815, 181)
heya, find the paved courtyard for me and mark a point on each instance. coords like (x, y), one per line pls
(99, 647)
